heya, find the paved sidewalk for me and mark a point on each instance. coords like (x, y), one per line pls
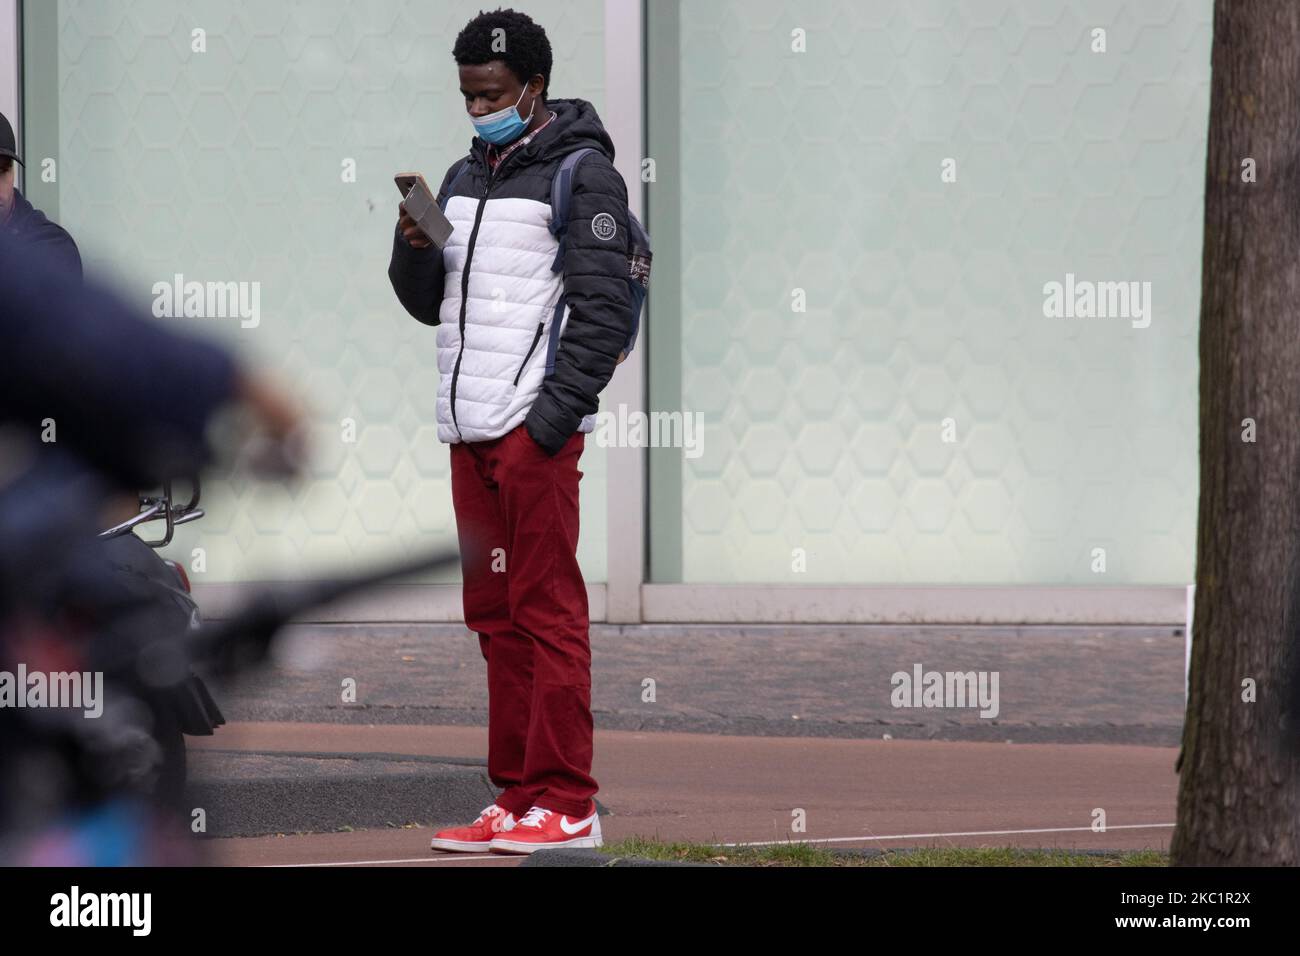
(706, 788)
(1056, 684)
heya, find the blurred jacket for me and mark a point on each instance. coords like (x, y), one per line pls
(28, 223)
(129, 396)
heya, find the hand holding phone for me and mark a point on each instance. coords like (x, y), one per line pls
(410, 230)
(422, 222)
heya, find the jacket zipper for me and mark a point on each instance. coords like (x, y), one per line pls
(536, 338)
(464, 284)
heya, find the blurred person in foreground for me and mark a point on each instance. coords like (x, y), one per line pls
(128, 405)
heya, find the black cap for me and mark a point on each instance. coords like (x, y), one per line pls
(8, 145)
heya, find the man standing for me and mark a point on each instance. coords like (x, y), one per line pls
(20, 218)
(523, 353)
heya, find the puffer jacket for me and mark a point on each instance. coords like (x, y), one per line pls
(493, 296)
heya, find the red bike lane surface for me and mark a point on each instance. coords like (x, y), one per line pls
(743, 789)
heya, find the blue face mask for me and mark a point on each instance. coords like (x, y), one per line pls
(504, 126)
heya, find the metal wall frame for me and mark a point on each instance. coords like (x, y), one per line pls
(11, 70)
(623, 116)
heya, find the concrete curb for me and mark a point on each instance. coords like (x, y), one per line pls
(254, 793)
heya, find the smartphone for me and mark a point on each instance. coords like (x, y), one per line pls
(421, 206)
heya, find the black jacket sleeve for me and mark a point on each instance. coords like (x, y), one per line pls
(596, 290)
(417, 275)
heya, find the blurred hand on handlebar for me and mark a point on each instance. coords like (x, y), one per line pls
(278, 446)
(277, 411)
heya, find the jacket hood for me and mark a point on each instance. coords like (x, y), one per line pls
(576, 124)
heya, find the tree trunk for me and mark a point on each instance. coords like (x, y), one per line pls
(1239, 789)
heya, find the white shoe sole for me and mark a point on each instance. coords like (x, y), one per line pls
(459, 846)
(513, 846)
(506, 845)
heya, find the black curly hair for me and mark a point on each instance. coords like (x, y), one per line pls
(527, 50)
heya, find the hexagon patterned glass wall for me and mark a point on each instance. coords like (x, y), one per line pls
(232, 163)
(875, 198)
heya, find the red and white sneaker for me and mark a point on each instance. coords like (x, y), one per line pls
(541, 829)
(477, 837)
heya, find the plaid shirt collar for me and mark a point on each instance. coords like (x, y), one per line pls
(494, 157)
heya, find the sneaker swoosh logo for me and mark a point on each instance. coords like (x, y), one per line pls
(574, 828)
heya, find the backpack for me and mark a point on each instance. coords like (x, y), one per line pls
(638, 252)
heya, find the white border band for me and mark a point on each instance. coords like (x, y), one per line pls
(786, 604)
(992, 604)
